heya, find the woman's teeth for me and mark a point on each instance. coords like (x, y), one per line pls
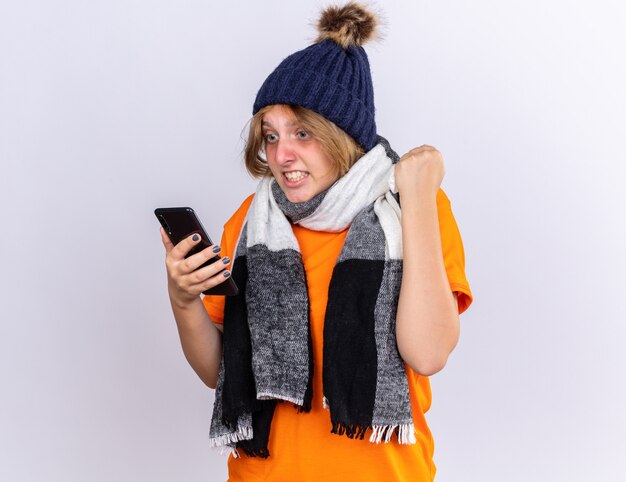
(296, 175)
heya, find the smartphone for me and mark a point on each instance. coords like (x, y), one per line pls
(180, 223)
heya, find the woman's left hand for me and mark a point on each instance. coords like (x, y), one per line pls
(419, 172)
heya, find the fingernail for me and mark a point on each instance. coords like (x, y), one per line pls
(226, 274)
(217, 249)
(226, 260)
(195, 237)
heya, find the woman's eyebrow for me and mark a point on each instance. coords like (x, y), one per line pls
(287, 124)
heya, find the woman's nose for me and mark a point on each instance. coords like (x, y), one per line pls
(284, 151)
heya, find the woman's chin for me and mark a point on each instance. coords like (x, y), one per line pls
(297, 195)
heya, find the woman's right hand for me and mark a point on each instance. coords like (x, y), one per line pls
(184, 283)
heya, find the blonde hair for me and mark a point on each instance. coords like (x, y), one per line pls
(336, 143)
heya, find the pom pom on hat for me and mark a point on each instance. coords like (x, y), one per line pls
(331, 77)
(349, 25)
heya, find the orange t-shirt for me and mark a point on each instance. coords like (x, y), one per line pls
(301, 446)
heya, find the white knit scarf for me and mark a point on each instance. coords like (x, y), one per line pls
(267, 352)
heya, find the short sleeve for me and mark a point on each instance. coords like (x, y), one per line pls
(453, 252)
(214, 304)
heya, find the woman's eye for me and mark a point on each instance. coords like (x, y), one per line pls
(271, 138)
(303, 135)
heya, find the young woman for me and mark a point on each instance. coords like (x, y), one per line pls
(347, 303)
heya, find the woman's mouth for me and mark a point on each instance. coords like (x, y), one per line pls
(295, 178)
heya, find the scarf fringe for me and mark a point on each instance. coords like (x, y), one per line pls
(223, 442)
(351, 430)
(227, 450)
(383, 433)
(260, 452)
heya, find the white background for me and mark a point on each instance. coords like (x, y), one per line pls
(109, 109)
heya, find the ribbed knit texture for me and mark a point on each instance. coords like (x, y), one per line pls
(330, 80)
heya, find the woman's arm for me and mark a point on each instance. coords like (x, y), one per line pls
(200, 338)
(427, 322)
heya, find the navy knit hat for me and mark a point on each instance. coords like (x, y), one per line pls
(331, 77)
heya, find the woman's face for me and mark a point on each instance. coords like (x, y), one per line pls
(295, 157)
